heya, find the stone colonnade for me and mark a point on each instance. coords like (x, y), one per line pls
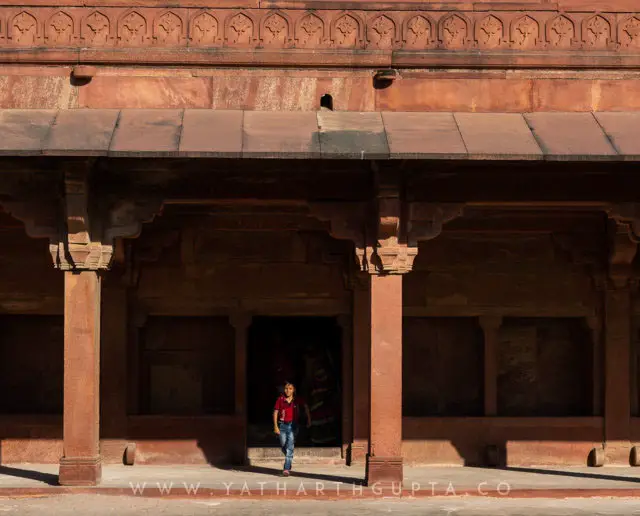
(385, 234)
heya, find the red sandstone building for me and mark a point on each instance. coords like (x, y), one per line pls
(424, 213)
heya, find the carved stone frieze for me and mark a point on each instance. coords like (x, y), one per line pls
(162, 26)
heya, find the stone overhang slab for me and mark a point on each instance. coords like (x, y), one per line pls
(570, 136)
(211, 134)
(23, 132)
(280, 134)
(147, 132)
(82, 132)
(623, 131)
(352, 135)
(203, 133)
(423, 135)
(497, 136)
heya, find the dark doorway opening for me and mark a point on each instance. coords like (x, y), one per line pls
(307, 352)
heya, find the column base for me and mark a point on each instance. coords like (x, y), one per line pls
(384, 471)
(617, 453)
(80, 471)
(358, 452)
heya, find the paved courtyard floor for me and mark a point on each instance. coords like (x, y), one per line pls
(100, 505)
(311, 481)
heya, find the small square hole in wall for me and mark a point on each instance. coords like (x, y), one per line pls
(326, 102)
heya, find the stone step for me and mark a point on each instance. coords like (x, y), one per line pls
(303, 455)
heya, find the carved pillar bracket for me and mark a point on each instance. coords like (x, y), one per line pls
(399, 230)
(346, 220)
(627, 214)
(624, 242)
(31, 198)
(92, 224)
(623, 251)
(427, 219)
(386, 232)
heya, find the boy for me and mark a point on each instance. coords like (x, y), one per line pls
(285, 422)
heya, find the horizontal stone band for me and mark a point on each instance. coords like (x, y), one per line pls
(110, 27)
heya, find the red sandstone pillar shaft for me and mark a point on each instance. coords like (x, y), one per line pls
(241, 323)
(595, 327)
(491, 328)
(361, 371)
(384, 462)
(113, 361)
(344, 322)
(80, 464)
(617, 406)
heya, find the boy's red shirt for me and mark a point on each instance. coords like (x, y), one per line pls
(288, 412)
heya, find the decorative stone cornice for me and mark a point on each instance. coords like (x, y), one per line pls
(164, 34)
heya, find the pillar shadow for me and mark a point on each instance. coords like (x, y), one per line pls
(46, 478)
(574, 474)
(297, 474)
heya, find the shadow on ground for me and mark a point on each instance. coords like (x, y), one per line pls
(47, 478)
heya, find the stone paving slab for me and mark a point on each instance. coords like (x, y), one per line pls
(333, 481)
(126, 506)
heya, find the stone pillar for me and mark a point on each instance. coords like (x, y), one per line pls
(80, 464)
(114, 355)
(595, 326)
(491, 328)
(386, 233)
(241, 323)
(617, 349)
(361, 369)
(344, 321)
(384, 461)
(617, 388)
(82, 246)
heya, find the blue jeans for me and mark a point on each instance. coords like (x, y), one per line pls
(287, 436)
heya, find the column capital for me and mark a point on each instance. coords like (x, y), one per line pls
(400, 228)
(92, 224)
(386, 232)
(345, 321)
(490, 322)
(594, 322)
(240, 320)
(81, 227)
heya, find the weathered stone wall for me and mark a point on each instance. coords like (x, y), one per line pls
(263, 272)
(492, 274)
(25, 87)
(544, 351)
